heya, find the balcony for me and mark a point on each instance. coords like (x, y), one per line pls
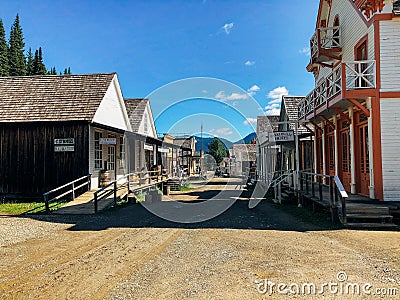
(354, 79)
(326, 44)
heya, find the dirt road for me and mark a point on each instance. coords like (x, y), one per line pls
(128, 253)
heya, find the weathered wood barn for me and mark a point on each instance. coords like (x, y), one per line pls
(54, 129)
(355, 58)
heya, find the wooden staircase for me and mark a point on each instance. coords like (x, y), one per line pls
(366, 213)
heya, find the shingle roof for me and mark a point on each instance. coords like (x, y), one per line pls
(135, 108)
(52, 97)
(244, 152)
(266, 123)
(290, 105)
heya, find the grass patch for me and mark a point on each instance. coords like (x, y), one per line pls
(19, 208)
(185, 186)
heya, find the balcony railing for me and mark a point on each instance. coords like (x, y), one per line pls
(348, 76)
(327, 38)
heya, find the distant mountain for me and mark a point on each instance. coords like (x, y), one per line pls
(247, 139)
(228, 144)
(207, 140)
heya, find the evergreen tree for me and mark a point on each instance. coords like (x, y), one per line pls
(41, 68)
(217, 150)
(3, 51)
(69, 71)
(29, 63)
(16, 57)
(35, 63)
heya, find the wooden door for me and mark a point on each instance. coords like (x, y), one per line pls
(345, 155)
(362, 158)
(330, 151)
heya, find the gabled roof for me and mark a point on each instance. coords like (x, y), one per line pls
(289, 105)
(52, 97)
(135, 108)
(267, 123)
(244, 152)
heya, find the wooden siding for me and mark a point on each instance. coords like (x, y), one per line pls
(28, 163)
(353, 29)
(390, 56)
(390, 116)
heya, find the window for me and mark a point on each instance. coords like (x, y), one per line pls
(98, 150)
(121, 152)
(111, 155)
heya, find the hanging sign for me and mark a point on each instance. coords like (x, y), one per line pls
(148, 147)
(163, 150)
(282, 136)
(107, 141)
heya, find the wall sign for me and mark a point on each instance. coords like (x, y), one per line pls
(148, 147)
(107, 141)
(64, 148)
(66, 141)
(163, 150)
(282, 136)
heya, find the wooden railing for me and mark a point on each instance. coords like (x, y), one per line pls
(60, 191)
(285, 176)
(130, 182)
(326, 190)
(325, 38)
(352, 75)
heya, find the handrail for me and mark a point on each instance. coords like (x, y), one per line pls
(336, 192)
(47, 201)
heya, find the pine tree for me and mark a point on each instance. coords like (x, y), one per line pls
(65, 71)
(29, 63)
(69, 71)
(41, 68)
(35, 63)
(16, 55)
(3, 51)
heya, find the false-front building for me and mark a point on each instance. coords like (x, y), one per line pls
(355, 105)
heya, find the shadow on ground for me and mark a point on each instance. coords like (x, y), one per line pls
(265, 216)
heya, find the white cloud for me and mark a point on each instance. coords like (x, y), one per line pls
(227, 27)
(234, 96)
(253, 90)
(277, 93)
(235, 103)
(249, 63)
(275, 96)
(250, 121)
(305, 51)
(204, 91)
(273, 112)
(221, 131)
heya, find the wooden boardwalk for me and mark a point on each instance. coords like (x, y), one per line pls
(84, 204)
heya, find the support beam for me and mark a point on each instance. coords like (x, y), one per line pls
(360, 106)
(316, 126)
(342, 114)
(308, 129)
(330, 124)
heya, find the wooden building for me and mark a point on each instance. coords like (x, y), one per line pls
(54, 129)
(355, 58)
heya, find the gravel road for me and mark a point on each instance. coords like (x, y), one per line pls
(128, 253)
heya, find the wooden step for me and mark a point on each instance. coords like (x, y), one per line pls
(368, 216)
(362, 208)
(371, 225)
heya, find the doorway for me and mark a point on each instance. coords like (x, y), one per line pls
(345, 155)
(362, 159)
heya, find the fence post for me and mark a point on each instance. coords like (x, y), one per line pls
(129, 178)
(313, 185)
(115, 192)
(73, 190)
(320, 189)
(89, 181)
(95, 203)
(46, 203)
(334, 208)
(331, 187)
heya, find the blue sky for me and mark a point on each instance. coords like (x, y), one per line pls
(259, 46)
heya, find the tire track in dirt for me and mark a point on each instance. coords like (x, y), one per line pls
(99, 264)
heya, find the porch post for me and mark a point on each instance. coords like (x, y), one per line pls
(352, 152)
(335, 136)
(371, 151)
(323, 149)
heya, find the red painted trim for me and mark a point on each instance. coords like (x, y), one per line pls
(361, 41)
(377, 146)
(389, 95)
